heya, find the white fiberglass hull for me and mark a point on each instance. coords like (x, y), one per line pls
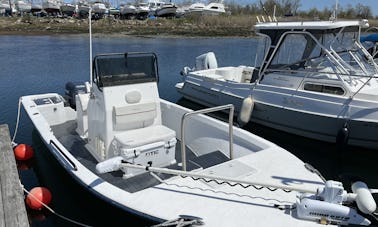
(68, 9)
(51, 7)
(166, 12)
(217, 205)
(99, 8)
(288, 114)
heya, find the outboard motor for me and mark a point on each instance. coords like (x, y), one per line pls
(206, 61)
(72, 89)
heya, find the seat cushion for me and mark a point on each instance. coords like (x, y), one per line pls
(142, 136)
(134, 116)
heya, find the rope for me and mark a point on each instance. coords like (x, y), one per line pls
(17, 122)
(52, 211)
(314, 170)
(272, 189)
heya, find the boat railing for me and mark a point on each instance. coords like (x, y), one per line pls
(203, 111)
(331, 55)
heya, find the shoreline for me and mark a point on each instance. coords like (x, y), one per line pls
(180, 27)
(206, 27)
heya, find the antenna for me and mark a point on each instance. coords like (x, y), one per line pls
(90, 45)
(263, 7)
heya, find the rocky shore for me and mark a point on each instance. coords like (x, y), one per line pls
(109, 26)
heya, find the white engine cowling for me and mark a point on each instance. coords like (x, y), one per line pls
(206, 61)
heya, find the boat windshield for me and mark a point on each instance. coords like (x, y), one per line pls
(351, 54)
(338, 54)
(121, 69)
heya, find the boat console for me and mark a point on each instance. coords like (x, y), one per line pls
(123, 112)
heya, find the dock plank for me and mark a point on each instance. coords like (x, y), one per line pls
(12, 209)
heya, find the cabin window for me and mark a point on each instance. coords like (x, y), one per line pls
(335, 90)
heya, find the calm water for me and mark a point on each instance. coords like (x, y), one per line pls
(40, 64)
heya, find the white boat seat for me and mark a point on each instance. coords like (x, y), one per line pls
(142, 136)
(134, 116)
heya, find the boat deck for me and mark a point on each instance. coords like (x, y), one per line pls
(67, 135)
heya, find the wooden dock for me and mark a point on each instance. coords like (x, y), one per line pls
(12, 208)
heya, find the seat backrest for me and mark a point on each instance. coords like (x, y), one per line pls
(134, 116)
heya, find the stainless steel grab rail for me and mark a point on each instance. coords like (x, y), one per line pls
(208, 110)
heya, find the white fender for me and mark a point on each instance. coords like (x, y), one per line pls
(109, 165)
(246, 109)
(364, 198)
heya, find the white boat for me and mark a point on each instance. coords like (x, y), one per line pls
(166, 10)
(154, 5)
(316, 80)
(181, 11)
(196, 8)
(4, 7)
(213, 8)
(142, 11)
(114, 11)
(83, 8)
(128, 11)
(99, 8)
(36, 7)
(164, 162)
(23, 7)
(51, 6)
(68, 9)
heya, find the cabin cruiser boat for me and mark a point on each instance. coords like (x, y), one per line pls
(68, 9)
(213, 8)
(23, 7)
(128, 11)
(51, 6)
(154, 5)
(4, 7)
(83, 8)
(316, 80)
(36, 7)
(166, 10)
(196, 7)
(142, 11)
(165, 162)
(114, 11)
(99, 9)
